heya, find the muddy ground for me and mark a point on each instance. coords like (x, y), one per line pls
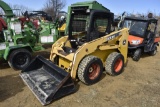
(137, 86)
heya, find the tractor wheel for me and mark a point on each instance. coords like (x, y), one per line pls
(152, 53)
(90, 70)
(137, 54)
(19, 59)
(114, 64)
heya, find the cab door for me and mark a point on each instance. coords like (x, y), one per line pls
(149, 46)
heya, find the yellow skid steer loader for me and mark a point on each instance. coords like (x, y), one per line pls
(89, 47)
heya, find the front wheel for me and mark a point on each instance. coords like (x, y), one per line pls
(19, 59)
(137, 54)
(90, 70)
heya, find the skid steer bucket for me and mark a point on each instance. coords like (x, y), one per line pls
(47, 81)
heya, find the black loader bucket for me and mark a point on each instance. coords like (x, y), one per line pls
(47, 81)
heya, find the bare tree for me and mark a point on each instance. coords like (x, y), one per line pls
(19, 9)
(52, 7)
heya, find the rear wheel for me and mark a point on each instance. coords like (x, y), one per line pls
(114, 64)
(19, 59)
(90, 70)
(137, 54)
(152, 53)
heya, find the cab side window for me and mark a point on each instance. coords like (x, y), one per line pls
(101, 25)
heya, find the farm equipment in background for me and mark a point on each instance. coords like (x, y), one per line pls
(57, 28)
(142, 35)
(89, 47)
(45, 26)
(19, 37)
(40, 14)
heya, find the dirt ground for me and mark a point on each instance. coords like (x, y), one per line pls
(137, 86)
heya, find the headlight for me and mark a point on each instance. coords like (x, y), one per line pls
(135, 42)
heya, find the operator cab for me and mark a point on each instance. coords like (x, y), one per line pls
(85, 26)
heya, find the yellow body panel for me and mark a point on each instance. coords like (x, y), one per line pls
(64, 63)
(62, 28)
(103, 54)
(101, 47)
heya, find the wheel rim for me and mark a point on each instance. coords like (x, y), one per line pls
(118, 65)
(94, 71)
(20, 59)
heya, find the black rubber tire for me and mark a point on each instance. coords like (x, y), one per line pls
(152, 53)
(90, 77)
(137, 54)
(111, 62)
(19, 59)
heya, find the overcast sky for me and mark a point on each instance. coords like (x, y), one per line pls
(116, 6)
